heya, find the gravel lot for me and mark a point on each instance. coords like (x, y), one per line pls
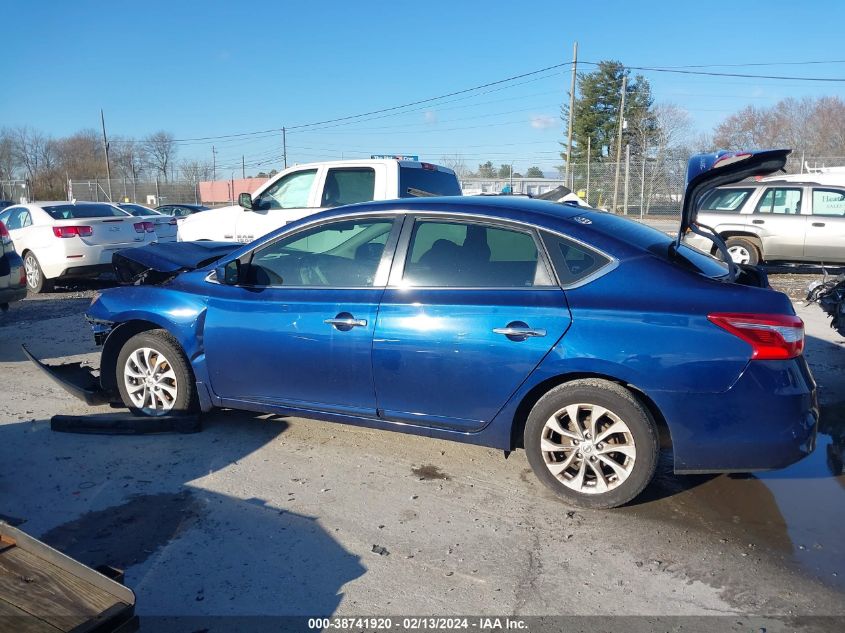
(280, 516)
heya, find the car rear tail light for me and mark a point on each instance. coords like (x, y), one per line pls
(771, 336)
(22, 281)
(428, 166)
(148, 227)
(4, 232)
(73, 231)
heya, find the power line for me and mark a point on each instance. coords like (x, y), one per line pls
(669, 69)
(382, 110)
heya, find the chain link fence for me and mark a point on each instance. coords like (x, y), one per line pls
(641, 188)
(14, 190)
(147, 192)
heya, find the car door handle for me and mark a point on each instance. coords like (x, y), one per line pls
(519, 331)
(347, 323)
(758, 221)
(818, 223)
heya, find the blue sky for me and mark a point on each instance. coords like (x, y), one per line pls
(200, 69)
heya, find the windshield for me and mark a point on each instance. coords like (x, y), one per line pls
(84, 210)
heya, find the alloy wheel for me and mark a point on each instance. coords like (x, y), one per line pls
(588, 448)
(150, 381)
(33, 273)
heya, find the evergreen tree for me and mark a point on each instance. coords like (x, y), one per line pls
(597, 113)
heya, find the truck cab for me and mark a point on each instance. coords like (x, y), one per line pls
(305, 189)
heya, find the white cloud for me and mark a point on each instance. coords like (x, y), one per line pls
(543, 121)
(430, 117)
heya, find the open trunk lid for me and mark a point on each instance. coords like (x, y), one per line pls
(159, 262)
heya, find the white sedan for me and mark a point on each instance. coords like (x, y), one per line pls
(165, 224)
(71, 239)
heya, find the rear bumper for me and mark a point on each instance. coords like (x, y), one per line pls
(83, 259)
(766, 420)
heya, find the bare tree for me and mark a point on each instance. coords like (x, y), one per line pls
(810, 126)
(456, 164)
(8, 164)
(161, 151)
(37, 155)
(128, 156)
(195, 171)
(81, 155)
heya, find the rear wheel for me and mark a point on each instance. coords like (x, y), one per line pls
(154, 377)
(592, 443)
(743, 251)
(35, 280)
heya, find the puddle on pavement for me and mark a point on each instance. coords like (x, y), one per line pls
(797, 513)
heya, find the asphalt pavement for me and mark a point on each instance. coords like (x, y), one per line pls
(286, 516)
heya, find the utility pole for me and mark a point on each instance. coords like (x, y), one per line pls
(213, 163)
(589, 148)
(627, 173)
(106, 151)
(285, 147)
(619, 141)
(243, 166)
(571, 114)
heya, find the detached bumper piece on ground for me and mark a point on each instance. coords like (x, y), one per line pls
(82, 383)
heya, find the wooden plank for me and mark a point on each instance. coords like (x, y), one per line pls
(48, 591)
(13, 620)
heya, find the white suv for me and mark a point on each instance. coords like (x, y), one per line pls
(776, 220)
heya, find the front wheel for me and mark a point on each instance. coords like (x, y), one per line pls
(154, 377)
(592, 443)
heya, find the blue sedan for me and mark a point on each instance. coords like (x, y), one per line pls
(582, 337)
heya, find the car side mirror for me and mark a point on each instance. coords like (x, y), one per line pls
(245, 200)
(229, 273)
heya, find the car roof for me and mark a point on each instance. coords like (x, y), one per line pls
(745, 184)
(505, 207)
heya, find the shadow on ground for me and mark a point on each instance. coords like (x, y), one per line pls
(147, 504)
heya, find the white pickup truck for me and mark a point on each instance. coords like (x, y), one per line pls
(306, 189)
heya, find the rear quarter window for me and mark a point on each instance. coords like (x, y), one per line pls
(415, 182)
(573, 262)
(725, 200)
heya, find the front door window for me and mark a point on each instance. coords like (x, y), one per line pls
(342, 254)
(289, 192)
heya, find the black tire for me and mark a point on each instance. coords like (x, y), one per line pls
(162, 344)
(36, 283)
(745, 245)
(620, 403)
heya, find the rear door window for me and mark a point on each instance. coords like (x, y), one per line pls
(780, 200)
(445, 254)
(18, 219)
(348, 186)
(829, 202)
